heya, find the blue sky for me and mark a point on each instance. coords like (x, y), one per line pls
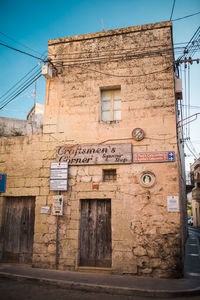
(32, 23)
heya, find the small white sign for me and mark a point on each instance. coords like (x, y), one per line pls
(58, 176)
(45, 210)
(59, 165)
(58, 205)
(172, 203)
(58, 185)
(59, 173)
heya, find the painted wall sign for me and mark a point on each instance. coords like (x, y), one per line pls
(147, 179)
(172, 203)
(58, 176)
(96, 154)
(147, 157)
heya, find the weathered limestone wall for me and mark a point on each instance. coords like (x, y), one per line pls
(76, 92)
(25, 161)
(15, 127)
(146, 238)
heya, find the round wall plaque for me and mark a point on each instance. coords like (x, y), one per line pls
(138, 134)
(147, 179)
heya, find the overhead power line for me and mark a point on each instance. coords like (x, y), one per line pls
(122, 76)
(192, 46)
(188, 16)
(18, 82)
(38, 71)
(172, 10)
(191, 151)
(36, 77)
(23, 52)
(159, 47)
(23, 45)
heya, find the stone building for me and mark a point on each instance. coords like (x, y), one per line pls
(110, 113)
(195, 174)
(17, 127)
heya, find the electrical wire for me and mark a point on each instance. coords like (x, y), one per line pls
(23, 52)
(114, 49)
(185, 116)
(18, 92)
(188, 16)
(162, 48)
(22, 90)
(115, 56)
(23, 45)
(192, 106)
(22, 84)
(191, 151)
(188, 98)
(192, 46)
(193, 148)
(106, 53)
(67, 63)
(123, 76)
(172, 10)
(18, 82)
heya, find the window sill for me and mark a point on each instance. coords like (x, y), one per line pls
(110, 122)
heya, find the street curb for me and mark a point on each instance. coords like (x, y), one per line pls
(96, 288)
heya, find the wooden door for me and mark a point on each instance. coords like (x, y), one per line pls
(95, 233)
(18, 229)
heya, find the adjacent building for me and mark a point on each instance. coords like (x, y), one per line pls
(16, 127)
(102, 188)
(195, 176)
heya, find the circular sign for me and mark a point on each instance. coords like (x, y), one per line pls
(147, 179)
(138, 134)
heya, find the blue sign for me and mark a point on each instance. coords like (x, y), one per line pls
(2, 183)
(170, 156)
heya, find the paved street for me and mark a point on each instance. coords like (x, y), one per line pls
(192, 258)
(18, 282)
(15, 290)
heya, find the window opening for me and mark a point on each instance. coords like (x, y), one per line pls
(109, 175)
(111, 105)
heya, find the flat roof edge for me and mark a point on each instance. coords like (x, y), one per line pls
(106, 33)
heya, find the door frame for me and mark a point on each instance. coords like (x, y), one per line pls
(21, 257)
(79, 241)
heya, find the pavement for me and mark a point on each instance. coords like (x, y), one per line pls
(116, 284)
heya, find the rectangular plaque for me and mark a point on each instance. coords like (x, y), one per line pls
(172, 204)
(59, 165)
(58, 176)
(58, 185)
(96, 154)
(146, 157)
(45, 210)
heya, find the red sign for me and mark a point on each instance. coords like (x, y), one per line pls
(164, 156)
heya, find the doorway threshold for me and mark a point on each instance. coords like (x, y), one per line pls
(94, 270)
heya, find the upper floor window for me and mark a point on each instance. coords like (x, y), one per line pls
(111, 105)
